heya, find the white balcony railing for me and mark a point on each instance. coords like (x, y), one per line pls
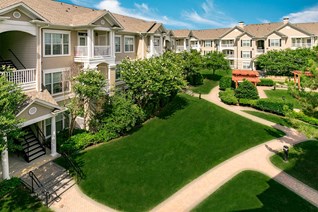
(301, 44)
(102, 51)
(180, 48)
(227, 45)
(229, 55)
(81, 51)
(26, 78)
(260, 51)
(157, 50)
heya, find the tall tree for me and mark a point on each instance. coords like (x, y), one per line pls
(216, 61)
(11, 101)
(89, 87)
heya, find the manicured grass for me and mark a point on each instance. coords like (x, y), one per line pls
(251, 191)
(279, 94)
(210, 81)
(21, 200)
(189, 137)
(270, 117)
(302, 163)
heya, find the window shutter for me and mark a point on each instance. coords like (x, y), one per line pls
(280, 42)
(269, 42)
(241, 54)
(250, 54)
(251, 43)
(241, 43)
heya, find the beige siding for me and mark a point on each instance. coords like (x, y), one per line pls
(22, 44)
(41, 111)
(233, 34)
(22, 18)
(291, 33)
(99, 22)
(60, 61)
(123, 54)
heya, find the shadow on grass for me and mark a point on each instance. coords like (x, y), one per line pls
(214, 77)
(275, 133)
(178, 103)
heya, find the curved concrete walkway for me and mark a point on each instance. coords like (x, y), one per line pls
(256, 158)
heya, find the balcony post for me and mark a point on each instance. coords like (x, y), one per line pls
(185, 44)
(53, 136)
(112, 43)
(160, 44)
(312, 41)
(38, 67)
(90, 43)
(151, 45)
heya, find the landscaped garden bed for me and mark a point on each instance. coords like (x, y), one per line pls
(302, 162)
(251, 190)
(189, 137)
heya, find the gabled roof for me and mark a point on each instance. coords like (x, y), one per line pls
(182, 33)
(58, 13)
(209, 34)
(230, 30)
(261, 30)
(308, 27)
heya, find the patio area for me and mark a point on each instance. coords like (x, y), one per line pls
(18, 166)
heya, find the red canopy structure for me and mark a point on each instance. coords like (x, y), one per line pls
(297, 75)
(240, 75)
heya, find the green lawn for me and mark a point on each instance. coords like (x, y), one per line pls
(21, 200)
(279, 94)
(302, 163)
(253, 191)
(270, 117)
(189, 137)
(210, 81)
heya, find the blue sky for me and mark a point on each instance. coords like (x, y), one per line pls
(204, 14)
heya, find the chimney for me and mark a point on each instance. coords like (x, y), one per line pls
(241, 24)
(286, 20)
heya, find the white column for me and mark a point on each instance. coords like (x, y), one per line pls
(38, 61)
(53, 137)
(142, 46)
(161, 44)
(185, 44)
(90, 43)
(112, 43)
(5, 162)
(151, 45)
(312, 41)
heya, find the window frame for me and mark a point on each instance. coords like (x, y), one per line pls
(133, 44)
(206, 42)
(245, 53)
(275, 39)
(244, 42)
(48, 122)
(120, 43)
(58, 32)
(52, 71)
(249, 64)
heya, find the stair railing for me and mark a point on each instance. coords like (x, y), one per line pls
(74, 166)
(41, 135)
(28, 150)
(10, 50)
(35, 180)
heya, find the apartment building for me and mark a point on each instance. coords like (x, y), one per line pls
(48, 42)
(242, 44)
(181, 40)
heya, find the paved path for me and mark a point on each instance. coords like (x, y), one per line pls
(256, 158)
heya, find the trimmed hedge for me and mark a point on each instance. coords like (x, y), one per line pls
(276, 106)
(266, 82)
(247, 102)
(228, 97)
(303, 117)
(225, 82)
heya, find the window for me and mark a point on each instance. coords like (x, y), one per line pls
(61, 122)
(56, 43)
(118, 74)
(129, 44)
(156, 42)
(301, 42)
(82, 39)
(246, 65)
(207, 43)
(246, 54)
(118, 44)
(57, 82)
(246, 43)
(274, 42)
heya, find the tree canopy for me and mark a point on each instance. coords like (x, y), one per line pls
(216, 61)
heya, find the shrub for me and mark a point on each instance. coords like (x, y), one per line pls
(246, 90)
(277, 106)
(225, 82)
(248, 102)
(266, 82)
(228, 97)
(195, 78)
(303, 117)
(78, 142)
(8, 186)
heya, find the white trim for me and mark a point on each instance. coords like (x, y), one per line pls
(63, 32)
(65, 97)
(9, 25)
(42, 103)
(133, 37)
(36, 120)
(58, 70)
(120, 42)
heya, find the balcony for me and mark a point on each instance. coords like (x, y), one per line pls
(226, 45)
(26, 78)
(180, 48)
(260, 51)
(99, 51)
(303, 45)
(229, 56)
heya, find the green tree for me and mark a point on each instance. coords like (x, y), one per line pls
(89, 87)
(215, 61)
(151, 80)
(282, 62)
(246, 90)
(192, 64)
(11, 102)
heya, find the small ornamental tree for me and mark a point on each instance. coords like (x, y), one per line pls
(216, 61)
(89, 87)
(11, 102)
(192, 64)
(246, 90)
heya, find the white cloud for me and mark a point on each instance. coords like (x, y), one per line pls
(210, 15)
(307, 15)
(142, 11)
(264, 21)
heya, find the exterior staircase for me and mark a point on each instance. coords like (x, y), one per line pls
(48, 182)
(7, 63)
(31, 145)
